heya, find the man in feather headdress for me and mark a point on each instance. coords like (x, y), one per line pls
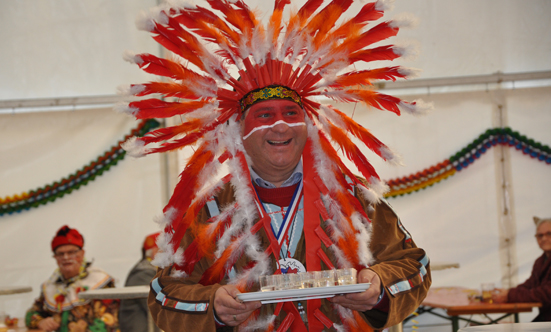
(289, 203)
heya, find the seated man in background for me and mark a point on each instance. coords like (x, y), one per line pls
(538, 287)
(58, 308)
(134, 312)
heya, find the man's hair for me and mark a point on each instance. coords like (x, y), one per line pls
(539, 221)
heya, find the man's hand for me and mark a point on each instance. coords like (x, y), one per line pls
(500, 295)
(48, 324)
(229, 308)
(362, 301)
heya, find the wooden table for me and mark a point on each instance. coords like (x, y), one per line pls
(455, 301)
(520, 327)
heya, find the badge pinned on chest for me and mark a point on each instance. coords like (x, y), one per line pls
(291, 265)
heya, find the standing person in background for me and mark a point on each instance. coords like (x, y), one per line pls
(537, 288)
(58, 308)
(134, 313)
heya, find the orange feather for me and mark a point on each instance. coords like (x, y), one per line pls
(352, 152)
(372, 142)
(167, 89)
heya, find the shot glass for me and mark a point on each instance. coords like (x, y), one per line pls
(324, 278)
(346, 276)
(306, 279)
(267, 283)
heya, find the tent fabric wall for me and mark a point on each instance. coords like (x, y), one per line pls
(58, 48)
(114, 212)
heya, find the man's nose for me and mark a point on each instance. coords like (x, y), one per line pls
(281, 127)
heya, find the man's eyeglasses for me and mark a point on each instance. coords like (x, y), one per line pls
(71, 253)
(540, 236)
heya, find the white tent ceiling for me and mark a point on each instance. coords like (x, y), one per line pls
(65, 49)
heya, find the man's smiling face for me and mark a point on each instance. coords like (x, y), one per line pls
(274, 134)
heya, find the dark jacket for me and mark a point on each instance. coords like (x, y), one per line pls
(536, 289)
(133, 315)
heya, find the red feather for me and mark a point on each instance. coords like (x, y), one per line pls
(374, 54)
(167, 133)
(186, 48)
(366, 14)
(193, 137)
(167, 89)
(155, 108)
(379, 32)
(364, 77)
(181, 227)
(191, 257)
(377, 100)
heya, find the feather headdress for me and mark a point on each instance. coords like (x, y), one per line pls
(224, 60)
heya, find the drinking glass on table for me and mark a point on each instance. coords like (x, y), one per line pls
(487, 290)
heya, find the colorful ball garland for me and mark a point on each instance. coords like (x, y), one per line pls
(58, 189)
(465, 157)
(398, 187)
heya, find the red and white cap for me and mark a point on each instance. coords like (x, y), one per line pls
(66, 235)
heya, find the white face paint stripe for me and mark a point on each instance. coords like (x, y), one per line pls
(296, 124)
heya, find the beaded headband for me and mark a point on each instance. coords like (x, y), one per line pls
(268, 93)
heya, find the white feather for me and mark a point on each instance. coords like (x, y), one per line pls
(363, 238)
(122, 107)
(134, 147)
(384, 5)
(178, 274)
(380, 187)
(145, 20)
(417, 107)
(369, 194)
(259, 324)
(390, 156)
(409, 72)
(132, 57)
(406, 50)
(403, 21)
